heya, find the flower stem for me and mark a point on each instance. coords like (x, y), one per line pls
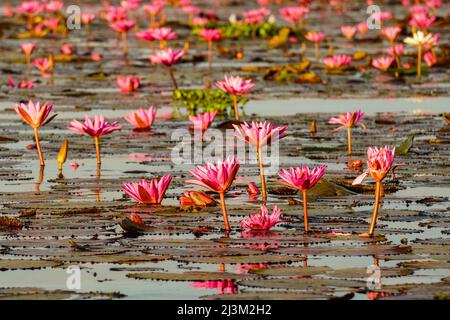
(349, 138)
(124, 43)
(261, 175)
(224, 211)
(172, 76)
(209, 55)
(316, 45)
(378, 187)
(38, 146)
(97, 148)
(305, 211)
(236, 110)
(419, 62)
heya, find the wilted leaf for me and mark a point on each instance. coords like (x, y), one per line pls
(405, 146)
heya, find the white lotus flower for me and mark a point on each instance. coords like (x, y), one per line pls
(419, 38)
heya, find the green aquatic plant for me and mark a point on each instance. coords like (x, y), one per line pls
(200, 100)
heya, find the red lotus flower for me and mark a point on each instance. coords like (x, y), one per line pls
(45, 66)
(391, 33)
(422, 20)
(236, 86)
(303, 179)
(262, 220)
(203, 120)
(141, 119)
(383, 63)
(337, 61)
(28, 48)
(146, 192)
(396, 50)
(35, 114)
(348, 32)
(122, 27)
(294, 14)
(128, 83)
(315, 36)
(167, 57)
(348, 120)
(217, 178)
(163, 34)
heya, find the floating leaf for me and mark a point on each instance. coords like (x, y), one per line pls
(188, 276)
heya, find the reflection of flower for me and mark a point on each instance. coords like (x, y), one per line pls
(222, 286)
(246, 267)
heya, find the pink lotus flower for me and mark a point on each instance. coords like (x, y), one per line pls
(381, 16)
(87, 18)
(196, 198)
(348, 120)
(433, 4)
(136, 219)
(262, 220)
(391, 33)
(168, 57)
(67, 49)
(348, 32)
(45, 66)
(362, 28)
(96, 56)
(21, 85)
(145, 35)
(163, 34)
(128, 83)
(52, 23)
(294, 14)
(418, 9)
(429, 59)
(256, 16)
(383, 63)
(203, 120)
(141, 119)
(28, 48)
(337, 61)
(379, 162)
(303, 179)
(146, 192)
(116, 14)
(315, 36)
(152, 9)
(200, 22)
(211, 35)
(397, 50)
(217, 178)
(236, 86)
(252, 189)
(260, 134)
(96, 128)
(123, 25)
(29, 7)
(130, 5)
(422, 20)
(74, 165)
(53, 6)
(35, 115)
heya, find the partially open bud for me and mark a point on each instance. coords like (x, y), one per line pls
(62, 155)
(252, 189)
(313, 127)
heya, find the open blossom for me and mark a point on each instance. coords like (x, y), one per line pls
(87, 18)
(215, 177)
(391, 33)
(116, 14)
(422, 20)
(262, 220)
(163, 34)
(383, 63)
(167, 56)
(96, 127)
(362, 27)
(419, 38)
(211, 34)
(379, 162)
(27, 48)
(128, 83)
(397, 50)
(301, 178)
(348, 32)
(433, 4)
(196, 198)
(337, 61)
(256, 16)
(203, 120)
(293, 14)
(235, 85)
(315, 36)
(123, 25)
(145, 35)
(45, 66)
(146, 192)
(348, 120)
(259, 133)
(152, 9)
(130, 5)
(29, 7)
(52, 23)
(67, 49)
(429, 59)
(200, 21)
(418, 9)
(381, 16)
(141, 119)
(53, 6)
(35, 114)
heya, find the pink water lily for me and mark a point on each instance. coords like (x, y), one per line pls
(210, 35)
(128, 83)
(348, 32)
(146, 192)
(348, 120)
(430, 59)
(252, 189)
(294, 14)
(260, 134)
(141, 119)
(363, 28)
(21, 85)
(338, 61)
(422, 20)
(167, 57)
(45, 66)
(35, 115)
(163, 35)
(122, 27)
(383, 63)
(217, 178)
(28, 48)
(302, 179)
(316, 38)
(203, 120)
(262, 220)
(379, 162)
(95, 128)
(391, 33)
(236, 86)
